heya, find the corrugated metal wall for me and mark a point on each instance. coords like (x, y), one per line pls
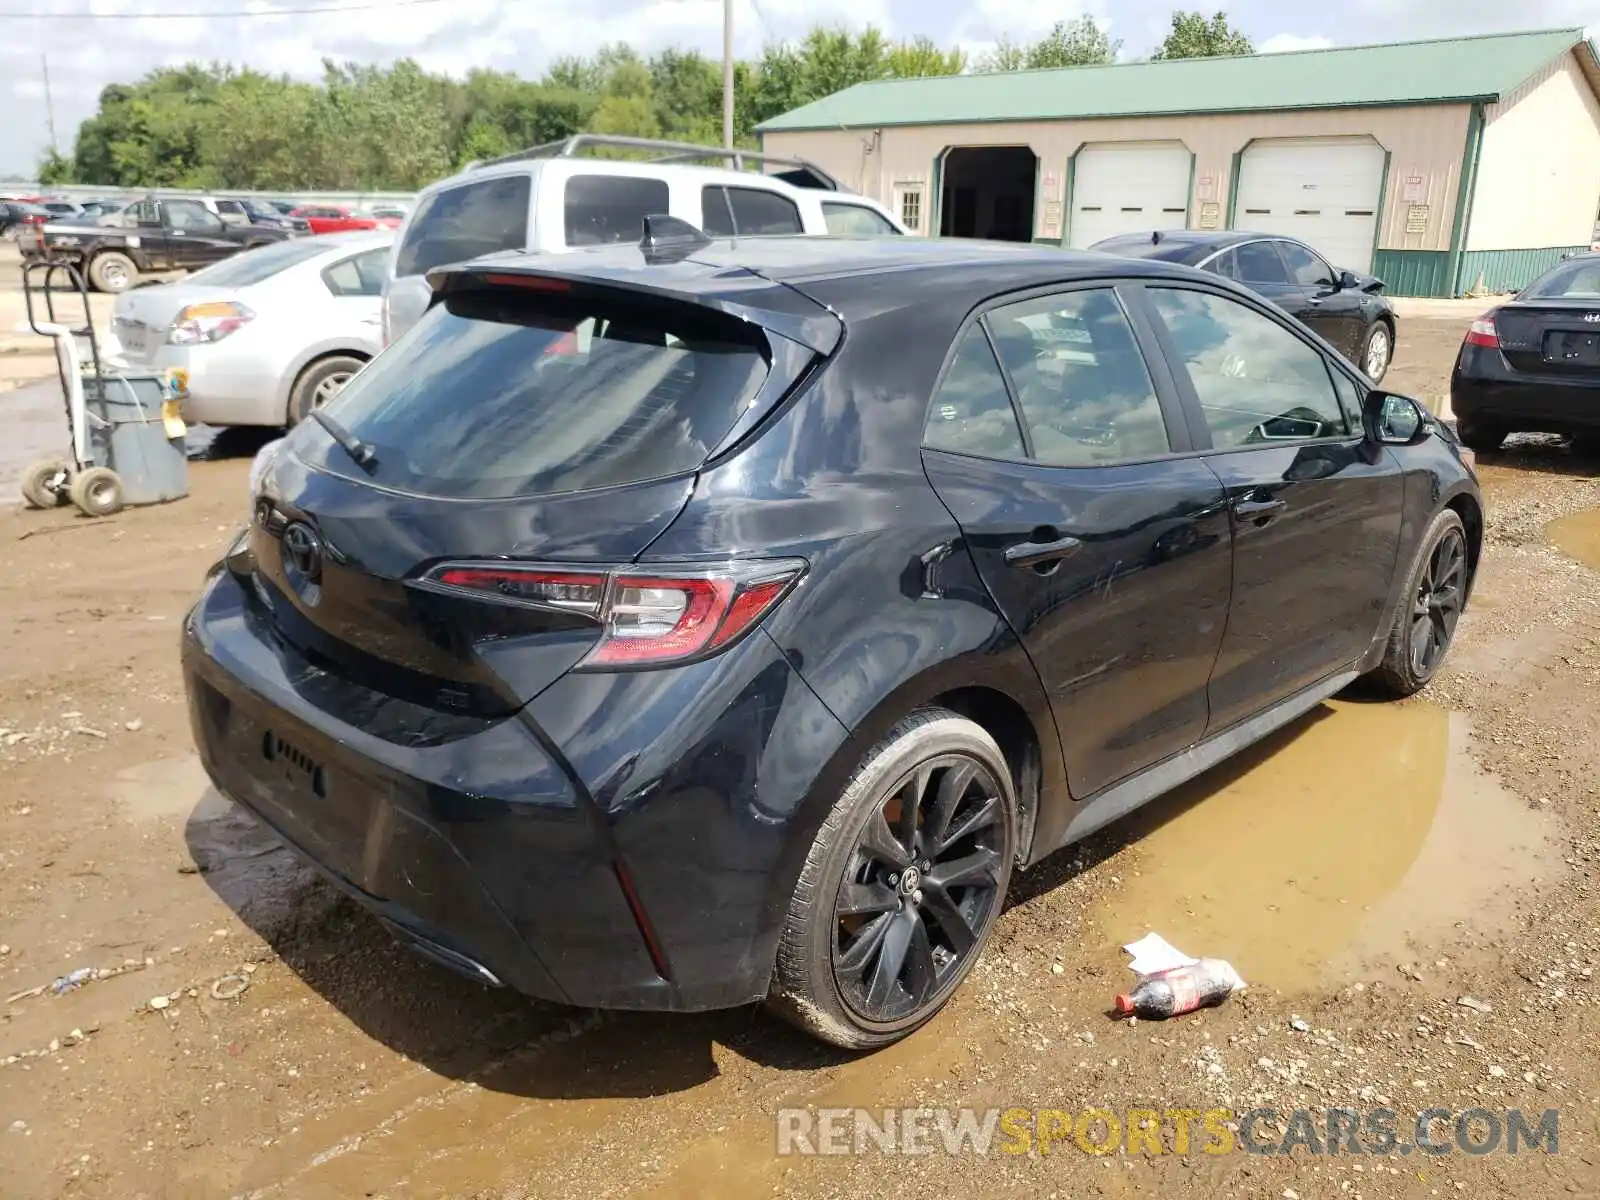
(1426, 145)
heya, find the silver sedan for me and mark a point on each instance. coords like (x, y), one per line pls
(266, 336)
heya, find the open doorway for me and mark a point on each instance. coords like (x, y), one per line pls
(988, 192)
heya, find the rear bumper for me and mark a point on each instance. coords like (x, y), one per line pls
(1485, 390)
(486, 847)
(227, 385)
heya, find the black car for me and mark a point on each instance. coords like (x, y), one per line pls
(262, 213)
(682, 625)
(16, 216)
(1532, 365)
(1347, 309)
(155, 235)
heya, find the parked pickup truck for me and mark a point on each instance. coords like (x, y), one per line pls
(159, 235)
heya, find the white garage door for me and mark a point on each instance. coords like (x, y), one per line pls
(1324, 191)
(1128, 187)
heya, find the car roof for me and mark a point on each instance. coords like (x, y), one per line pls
(866, 273)
(1185, 245)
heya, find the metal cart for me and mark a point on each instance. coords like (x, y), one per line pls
(126, 441)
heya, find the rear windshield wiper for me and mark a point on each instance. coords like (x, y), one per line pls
(364, 455)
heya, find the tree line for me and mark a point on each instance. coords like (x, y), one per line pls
(217, 126)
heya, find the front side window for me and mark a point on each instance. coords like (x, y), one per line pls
(605, 209)
(1257, 383)
(1258, 262)
(1308, 270)
(971, 412)
(191, 215)
(463, 222)
(856, 220)
(1081, 379)
(758, 212)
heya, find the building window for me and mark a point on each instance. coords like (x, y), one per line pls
(911, 209)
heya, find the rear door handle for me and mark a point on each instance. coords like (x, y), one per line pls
(1033, 554)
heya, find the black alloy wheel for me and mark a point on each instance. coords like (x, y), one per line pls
(1436, 607)
(920, 888)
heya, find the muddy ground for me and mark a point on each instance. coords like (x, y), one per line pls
(1364, 869)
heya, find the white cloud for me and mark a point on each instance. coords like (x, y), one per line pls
(524, 36)
(1282, 43)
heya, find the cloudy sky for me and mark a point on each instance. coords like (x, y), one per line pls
(524, 35)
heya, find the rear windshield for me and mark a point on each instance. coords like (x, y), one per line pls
(501, 393)
(461, 223)
(259, 264)
(1579, 278)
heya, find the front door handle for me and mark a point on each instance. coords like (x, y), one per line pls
(1258, 509)
(1034, 554)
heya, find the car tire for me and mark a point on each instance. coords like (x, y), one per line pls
(1377, 351)
(318, 383)
(1485, 439)
(912, 942)
(112, 271)
(1424, 622)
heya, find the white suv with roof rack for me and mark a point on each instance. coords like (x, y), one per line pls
(548, 199)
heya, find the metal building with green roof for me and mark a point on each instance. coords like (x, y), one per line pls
(1440, 166)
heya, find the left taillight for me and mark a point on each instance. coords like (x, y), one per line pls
(647, 618)
(208, 322)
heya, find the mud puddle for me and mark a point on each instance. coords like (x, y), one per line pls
(1577, 535)
(1354, 835)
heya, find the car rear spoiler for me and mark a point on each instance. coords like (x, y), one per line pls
(666, 269)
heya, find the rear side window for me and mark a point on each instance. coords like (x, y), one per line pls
(1223, 265)
(855, 220)
(757, 212)
(1081, 379)
(602, 209)
(717, 218)
(971, 413)
(503, 393)
(359, 275)
(462, 223)
(1258, 262)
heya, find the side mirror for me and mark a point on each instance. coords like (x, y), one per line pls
(1348, 281)
(1392, 420)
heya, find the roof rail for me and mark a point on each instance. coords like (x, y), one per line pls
(665, 152)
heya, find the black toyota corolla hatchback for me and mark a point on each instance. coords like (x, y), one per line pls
(680, 625)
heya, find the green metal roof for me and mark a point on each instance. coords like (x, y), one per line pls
(1449, 70)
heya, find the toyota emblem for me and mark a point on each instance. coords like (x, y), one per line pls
(302, 549)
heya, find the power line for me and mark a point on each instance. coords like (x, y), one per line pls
(212, 16)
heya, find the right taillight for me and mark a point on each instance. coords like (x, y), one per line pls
(1484, 333)
(647, 618)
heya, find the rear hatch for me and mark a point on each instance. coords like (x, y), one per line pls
(530, 436)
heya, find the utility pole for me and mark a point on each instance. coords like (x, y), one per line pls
(727, 74)
(49, 104)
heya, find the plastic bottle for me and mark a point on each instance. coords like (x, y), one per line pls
(1182, 989)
